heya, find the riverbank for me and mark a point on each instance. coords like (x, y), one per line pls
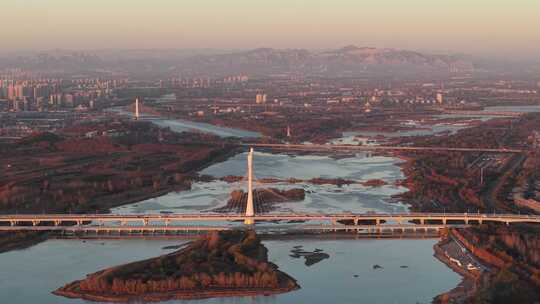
(20, 240)
(510, 255)
(458, 182)
(480, 182)
(470, 279)
(71, 172)
(177, 295)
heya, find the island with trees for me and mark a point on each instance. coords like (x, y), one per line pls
(220, 264)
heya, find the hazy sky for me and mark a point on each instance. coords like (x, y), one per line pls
(494, 26)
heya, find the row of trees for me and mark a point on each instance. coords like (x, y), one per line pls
(514, 256)
(198, 281)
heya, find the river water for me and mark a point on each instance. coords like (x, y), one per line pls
(415, 128)
(29, 276)
(319, 198)
(409, 273)
(182, 125)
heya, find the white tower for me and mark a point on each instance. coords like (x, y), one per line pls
(439, 97)
(137, 109)
(289, 131)
(250, 210)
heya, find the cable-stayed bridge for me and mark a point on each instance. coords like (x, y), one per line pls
(178, 222)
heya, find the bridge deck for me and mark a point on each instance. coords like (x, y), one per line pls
(169, 219)
(315, 147)
(183, 229)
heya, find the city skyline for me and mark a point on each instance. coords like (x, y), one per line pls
(476, 27)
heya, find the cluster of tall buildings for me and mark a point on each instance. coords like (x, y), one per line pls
(260, 98)
(235, 79)
(42, 94)
(203, 82)
(194, 82)
(21, 94)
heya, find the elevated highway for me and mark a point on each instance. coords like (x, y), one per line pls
(374, 219)
(191, 229)
(483, 113)
(324, 148)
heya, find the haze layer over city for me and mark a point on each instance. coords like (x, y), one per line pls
(270, 151)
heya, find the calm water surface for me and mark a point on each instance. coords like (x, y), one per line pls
(28, 276)
(418, 128)
(182, 125)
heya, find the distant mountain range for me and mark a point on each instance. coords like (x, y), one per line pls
(346, 61)
(374, 56)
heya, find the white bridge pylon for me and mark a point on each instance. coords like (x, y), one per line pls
(250, 209)
(253, 196)
(137, 109)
